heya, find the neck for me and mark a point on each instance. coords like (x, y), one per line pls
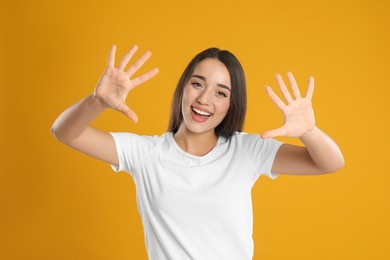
(194, 143)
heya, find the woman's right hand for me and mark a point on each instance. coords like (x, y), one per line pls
(115, 83)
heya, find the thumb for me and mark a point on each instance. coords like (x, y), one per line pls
(273, 133)
(128, 112)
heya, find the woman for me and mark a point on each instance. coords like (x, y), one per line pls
(194, 182)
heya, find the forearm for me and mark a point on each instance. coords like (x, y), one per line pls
(75, 119)
(323, 150)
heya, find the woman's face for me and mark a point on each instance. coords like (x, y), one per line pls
(206, 97)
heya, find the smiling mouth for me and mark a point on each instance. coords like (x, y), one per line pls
(201, 112)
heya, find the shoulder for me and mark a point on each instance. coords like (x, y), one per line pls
(244, 137)
(240, 141)
(250, 141)
(131, 138)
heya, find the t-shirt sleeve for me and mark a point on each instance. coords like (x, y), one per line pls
(131, 150)
(262, 153)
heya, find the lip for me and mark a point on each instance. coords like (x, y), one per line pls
(200, 118)
(202, 109)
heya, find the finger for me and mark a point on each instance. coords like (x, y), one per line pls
(145, 77)
(123, 108)
(277, 101)
(283, 89)
(127, 57)
(138, 64)
(273, 133)
(310, 88)
(111, 57)
(294, 85)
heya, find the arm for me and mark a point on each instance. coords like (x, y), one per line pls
(72, 126)
(320, 154)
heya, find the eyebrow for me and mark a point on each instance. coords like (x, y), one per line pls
(219, 84)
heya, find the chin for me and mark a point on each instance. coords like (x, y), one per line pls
(194, 126)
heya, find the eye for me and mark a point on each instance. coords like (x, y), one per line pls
(222, 94)
(196, 84)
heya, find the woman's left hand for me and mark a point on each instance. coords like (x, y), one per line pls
(298, 112)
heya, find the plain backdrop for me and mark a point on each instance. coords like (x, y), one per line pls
(56, 203)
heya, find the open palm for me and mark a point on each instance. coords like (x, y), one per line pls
(298, 112)
(115, 83)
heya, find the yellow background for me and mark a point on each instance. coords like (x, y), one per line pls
(56, 203)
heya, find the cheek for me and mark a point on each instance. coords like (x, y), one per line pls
(185, 100)
(186, 95)
(224, 107)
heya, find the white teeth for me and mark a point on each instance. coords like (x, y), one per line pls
(201, 112)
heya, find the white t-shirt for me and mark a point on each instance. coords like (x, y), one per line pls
(196, 207)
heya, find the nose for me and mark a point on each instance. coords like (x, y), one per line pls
(204, 97)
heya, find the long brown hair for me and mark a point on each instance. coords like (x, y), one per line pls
(234, 119)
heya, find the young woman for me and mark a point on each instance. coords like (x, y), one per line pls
(194, 181)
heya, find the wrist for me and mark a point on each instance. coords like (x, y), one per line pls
(309, 133)
(96, 103)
